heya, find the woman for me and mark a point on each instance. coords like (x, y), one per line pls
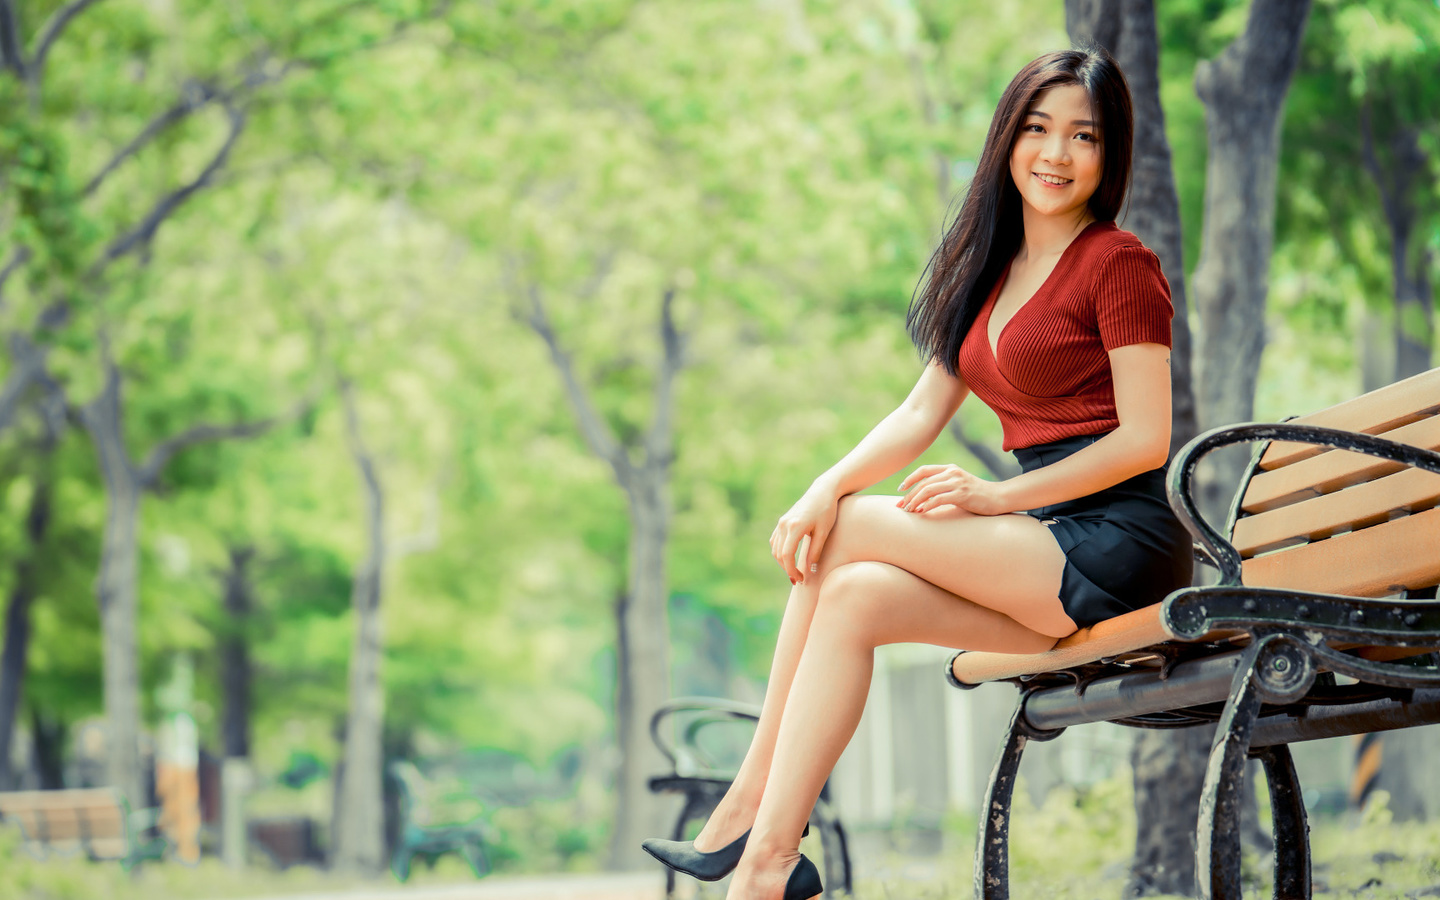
(1060, 322)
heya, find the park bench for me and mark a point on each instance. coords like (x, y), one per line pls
(702, 779)
(430, 826)
(93, 821)
(1322, 624)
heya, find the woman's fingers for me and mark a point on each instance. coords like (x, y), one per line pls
(787, 555)
(937, 500)
(816, 546)
(921, 472)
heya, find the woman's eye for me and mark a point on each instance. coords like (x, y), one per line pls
(1087, 136)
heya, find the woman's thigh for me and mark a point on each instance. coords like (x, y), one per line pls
(1008, 563)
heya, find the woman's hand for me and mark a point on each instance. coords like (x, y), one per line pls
(812, 516)
(930, 487)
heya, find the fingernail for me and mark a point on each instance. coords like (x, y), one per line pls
(792, 582)
(814, 567)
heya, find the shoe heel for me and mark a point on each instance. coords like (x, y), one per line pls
(804, 881)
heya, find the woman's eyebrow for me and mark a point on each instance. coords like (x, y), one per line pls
(1088, 123)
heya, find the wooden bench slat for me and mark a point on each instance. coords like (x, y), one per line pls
(71, 823)
(1333, 470)
(66, 799)
(100, 848)
(1411, 490)
(1378, 411)
(1380, 560)
(1132, 632)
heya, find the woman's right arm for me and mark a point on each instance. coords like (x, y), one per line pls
(890, 446)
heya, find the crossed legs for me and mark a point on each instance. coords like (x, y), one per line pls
(887, 576)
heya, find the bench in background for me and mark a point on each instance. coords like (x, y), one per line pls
(698, 775)
(92, 821)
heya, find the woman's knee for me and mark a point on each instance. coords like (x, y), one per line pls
(853, 598)
(846, 536)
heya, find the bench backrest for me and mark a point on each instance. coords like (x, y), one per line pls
(83, 819)
(1340, 522)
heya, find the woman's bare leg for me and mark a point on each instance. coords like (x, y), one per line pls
(862, 605)
(861, 534)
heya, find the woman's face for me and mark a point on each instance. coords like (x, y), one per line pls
(1057, 158)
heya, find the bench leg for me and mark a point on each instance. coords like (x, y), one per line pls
(834, 847)
(695, 806)
(1292, 832)
(992, 852)
(1272, 669)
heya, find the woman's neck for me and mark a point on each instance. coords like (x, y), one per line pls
(1046, 237)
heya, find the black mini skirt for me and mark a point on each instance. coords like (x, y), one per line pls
(1124, 549)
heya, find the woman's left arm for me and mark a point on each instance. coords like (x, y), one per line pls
(1141, 442)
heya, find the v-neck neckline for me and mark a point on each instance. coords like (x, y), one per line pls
(1000, 287)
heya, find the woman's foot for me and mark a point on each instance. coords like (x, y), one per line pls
(723, 828)
(683, 857)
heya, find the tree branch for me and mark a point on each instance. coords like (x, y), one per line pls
(659, 443)
(427, 538)
(27, 365)
(593, 428)
(49, 32)
(11, 57)
(17, 259)
(363, 458)
(143, 233)
(163, 452)
(194, 96)
(996, 464)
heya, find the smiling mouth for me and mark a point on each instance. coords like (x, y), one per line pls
(1053, 180)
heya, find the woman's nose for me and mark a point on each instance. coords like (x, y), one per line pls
(1055, 149)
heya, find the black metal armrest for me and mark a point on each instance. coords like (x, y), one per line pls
(1179, 480)
(717, 710)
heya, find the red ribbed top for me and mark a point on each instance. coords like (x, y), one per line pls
(1052, 377)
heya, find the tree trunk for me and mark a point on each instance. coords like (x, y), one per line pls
(644, 642)
(642, 614)
(49, 738)
(1397, 180)
(17, 620)
(117, 589)
(1243, 90)
(1415, 319)
(359, 826)
(1169, 766)
(234, 648)
(1169, 771)
(1377, 351)
(1154, 211)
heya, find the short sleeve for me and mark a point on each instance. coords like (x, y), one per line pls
(1132, 299)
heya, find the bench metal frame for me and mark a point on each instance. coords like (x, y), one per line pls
(1268, 680)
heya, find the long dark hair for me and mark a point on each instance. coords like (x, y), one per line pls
(989, 228)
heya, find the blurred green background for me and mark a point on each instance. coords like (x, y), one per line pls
(323, 313)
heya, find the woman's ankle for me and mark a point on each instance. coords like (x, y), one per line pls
(724, 827)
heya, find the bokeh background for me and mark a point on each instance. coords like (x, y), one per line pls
(417, 381)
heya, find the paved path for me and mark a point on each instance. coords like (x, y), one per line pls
(628, 886)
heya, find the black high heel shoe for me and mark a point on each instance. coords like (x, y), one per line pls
(712, 866)
(804, 881)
